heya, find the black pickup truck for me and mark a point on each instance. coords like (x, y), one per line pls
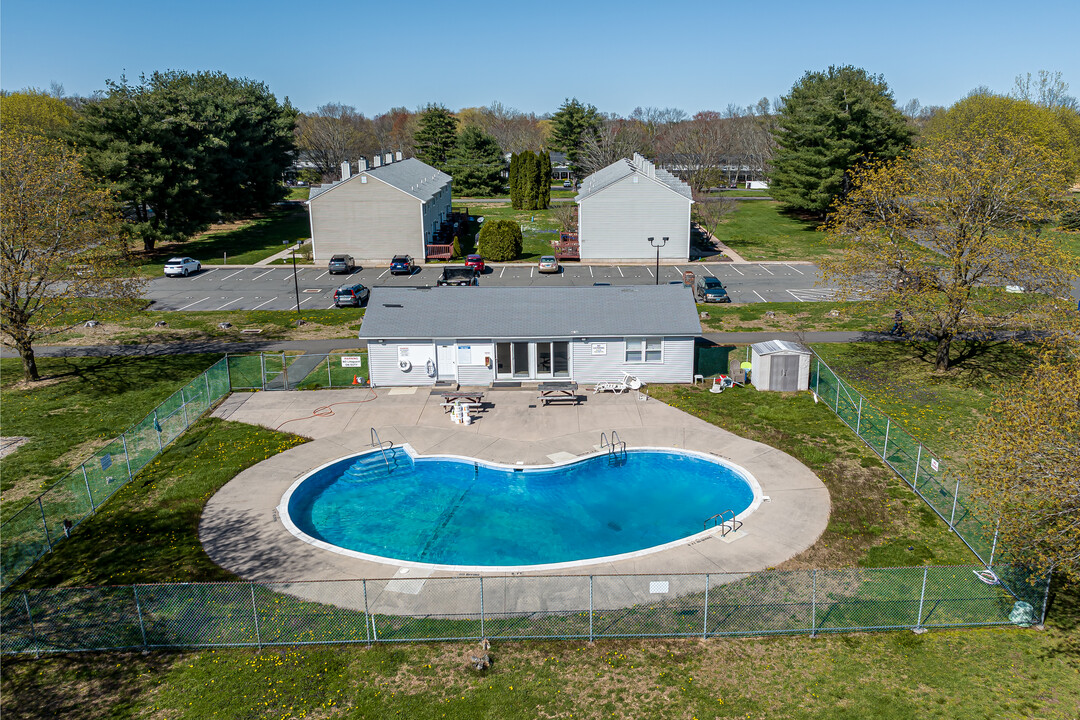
(457, 276)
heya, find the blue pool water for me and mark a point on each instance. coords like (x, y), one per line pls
(455, 512)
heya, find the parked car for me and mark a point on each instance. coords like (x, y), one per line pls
(402, 264)
(475, 262)
(457, 276)
(709, 289)
(341, 264)
(351, 295)
(567, 184)
(548, 264)
(182, 266)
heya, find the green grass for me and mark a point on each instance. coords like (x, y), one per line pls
(988, 673)
(795, 316)
(148, 531)
(539, 227)
(762, 230)
(244, 243)
(743, 193)
(140, 327)
(84, 403)
(298, 193)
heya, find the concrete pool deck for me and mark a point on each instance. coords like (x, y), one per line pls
(241, 531)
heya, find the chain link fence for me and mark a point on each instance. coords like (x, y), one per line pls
(504, 608)
(922, 469)
(36, 528)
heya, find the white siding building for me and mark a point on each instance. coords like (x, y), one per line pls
(621, 206)
(483, 336)
(387, 210)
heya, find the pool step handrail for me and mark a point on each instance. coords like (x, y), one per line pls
(725, 526)
(376, 442)
(615, 445)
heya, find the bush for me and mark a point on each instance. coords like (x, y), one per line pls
(499, 240)
(455, 249)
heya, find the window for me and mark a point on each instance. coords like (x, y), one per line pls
(644, 350)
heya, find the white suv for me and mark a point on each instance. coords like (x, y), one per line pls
(182, 266)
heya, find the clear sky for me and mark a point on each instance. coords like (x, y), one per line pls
(531, 56)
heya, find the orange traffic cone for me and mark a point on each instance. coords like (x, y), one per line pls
(356, 380)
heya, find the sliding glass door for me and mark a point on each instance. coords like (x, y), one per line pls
(524, 360)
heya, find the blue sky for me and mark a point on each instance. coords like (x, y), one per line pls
(615, 55)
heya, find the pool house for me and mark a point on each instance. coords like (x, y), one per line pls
(483, 336)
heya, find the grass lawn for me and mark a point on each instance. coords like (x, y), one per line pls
(140, 327)
(84, 403)
(539, 227)
(794, 316)
(986, 673)
(298, 193)
(761, 230)
(243, 242)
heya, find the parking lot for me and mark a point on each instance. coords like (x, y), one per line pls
(272, 288)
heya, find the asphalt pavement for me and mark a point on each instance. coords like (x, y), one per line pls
(272, 287)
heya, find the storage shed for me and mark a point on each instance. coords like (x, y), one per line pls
(780, 365)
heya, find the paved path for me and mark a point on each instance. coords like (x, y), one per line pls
(241, 530)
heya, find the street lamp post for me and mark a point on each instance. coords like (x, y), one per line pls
(658, 245)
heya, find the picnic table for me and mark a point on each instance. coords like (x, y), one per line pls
(467, 397)
(557, 392)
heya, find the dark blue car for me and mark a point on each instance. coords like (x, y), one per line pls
(709, 289)
(401, 264)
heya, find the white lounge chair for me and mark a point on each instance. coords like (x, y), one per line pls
(628, 382)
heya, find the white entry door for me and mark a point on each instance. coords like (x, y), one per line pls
(446, 360)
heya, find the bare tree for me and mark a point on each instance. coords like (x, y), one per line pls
(566, 215)
(710, 211)
(394, 130)
(614, 142)
(333, 134)
(1049, 90)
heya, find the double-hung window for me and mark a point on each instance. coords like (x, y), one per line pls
(644, 350)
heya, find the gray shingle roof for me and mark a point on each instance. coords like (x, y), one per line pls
(410, 176)
(529, 312)
(622, 168)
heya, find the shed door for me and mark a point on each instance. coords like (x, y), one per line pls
(784, 373)
(444, 360)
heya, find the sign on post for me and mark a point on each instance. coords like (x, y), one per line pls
(352, 361)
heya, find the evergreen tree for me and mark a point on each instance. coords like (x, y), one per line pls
(831, 122)
(477, 164)
(528, 180)
(571, 127)
(515, 181)
(436, 137)
(545, 186)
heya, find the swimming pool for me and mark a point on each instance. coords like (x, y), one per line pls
(449, 512)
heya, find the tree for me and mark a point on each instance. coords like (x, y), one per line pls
(611, 143)
(1025, 454)
(477, 164)
(183, 149)
(62, 255)
(709, 211)
(436, 136)
(934, 232)
(1050, 91)
(395, 129)
(499, 240)
(571, 126)
(35, 111)
(543, 180)
(527, 162)
(333, 134)
(514, 179)
(831, 122)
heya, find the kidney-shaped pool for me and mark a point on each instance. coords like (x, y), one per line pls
(458, 513)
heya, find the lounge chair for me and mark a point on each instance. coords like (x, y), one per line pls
(628, 382)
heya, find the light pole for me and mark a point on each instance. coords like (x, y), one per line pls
(658, 245)
(296, 285)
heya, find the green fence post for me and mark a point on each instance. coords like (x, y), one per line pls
(1046, 596)
(705, 625)
(262, 364)
(590, 608)
(858, 420)
(138, 609)
(922, 596)
(482, 633)
(87, 483)
(885, 448)
(813, 603)
(952, 517)
(30, 618)
(183, 405)
(993, 547)
(367, 615)
(918, 459)
(206, 381)
(44, 523)
(255, 613)
(127, 457)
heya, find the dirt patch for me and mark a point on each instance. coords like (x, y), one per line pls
(11, 444)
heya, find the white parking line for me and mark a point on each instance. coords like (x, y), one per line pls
(759, 296)
(261, 304)
(794, 296)
(194, 303)
(502, 271)
(650, 271)
(678, 270)
(235, 273)
(305, 300)
(708, 270)
(621, 273)
(737, 270)
(796, 270)
(229, 303)
(383, 274)
(766, 269)
(590, 271)
(263, 275)
(531, 271)
(323, 275)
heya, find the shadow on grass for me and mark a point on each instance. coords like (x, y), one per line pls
(1063, 616)
(110, 375)
(280, 226)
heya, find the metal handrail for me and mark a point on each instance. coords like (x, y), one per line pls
(615, 442)
(724, 525)
(376, 442)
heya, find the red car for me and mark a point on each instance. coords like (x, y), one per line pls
(475, 262)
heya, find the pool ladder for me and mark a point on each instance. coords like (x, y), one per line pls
(615, 446)
(376, 442)
(726, 526)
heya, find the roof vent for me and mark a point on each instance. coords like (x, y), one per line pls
(345, 170)
(389, 158)
(397, 156)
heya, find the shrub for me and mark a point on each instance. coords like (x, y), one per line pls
(499, 240)
(455, 249)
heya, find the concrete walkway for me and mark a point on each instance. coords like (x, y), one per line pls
(241, 531)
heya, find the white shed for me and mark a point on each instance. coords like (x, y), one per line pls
(780, 365)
